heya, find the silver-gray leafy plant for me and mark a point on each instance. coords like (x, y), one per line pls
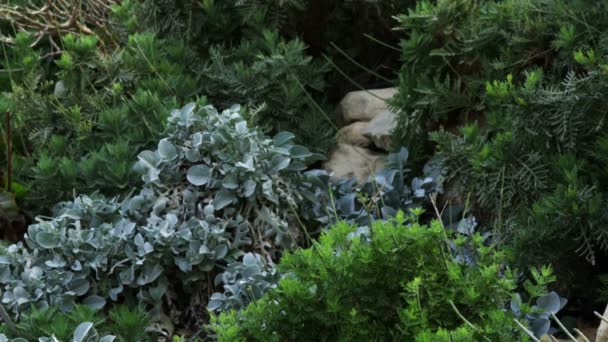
(213, 190)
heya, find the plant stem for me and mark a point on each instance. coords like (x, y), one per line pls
(600, 316)
(585, 339)
(528, 332)
(563, 328)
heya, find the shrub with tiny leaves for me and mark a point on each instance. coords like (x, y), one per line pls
(398, 281)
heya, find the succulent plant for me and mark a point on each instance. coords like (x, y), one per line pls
(213, 190)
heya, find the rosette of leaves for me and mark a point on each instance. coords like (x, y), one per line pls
(244, 281)
(226, 169)
(212, 188)
(381, 196)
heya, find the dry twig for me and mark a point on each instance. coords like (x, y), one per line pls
(59, 17)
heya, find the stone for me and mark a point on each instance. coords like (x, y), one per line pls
(364, 105)
(353, 135)
(348, 161)
(379, 129)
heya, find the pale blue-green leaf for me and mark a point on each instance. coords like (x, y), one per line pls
(197, 139)
(241, 127)
(94, 302)
(187, 109)
(183, 264)
(139, 240)
(249, 259)
(193, 155)
(230, 181)
(60, 89)
(80, 286)
(250, 271)
(149, 275)
(167, 150)
(148, 159)
(223, 198)
(247, 163)
(220, 251)
(249, 188)
(279, 162)
(47, 240)
(199, 175)
(282, 138)
(82, 331)
(299, 152)
(157, 292)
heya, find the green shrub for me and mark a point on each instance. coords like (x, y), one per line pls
(524, 82)
(84, 103)
(398, 282)
(243, 57)
(78, 126)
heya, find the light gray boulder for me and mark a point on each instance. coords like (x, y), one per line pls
(353, 135)
(348, 161)
(364, 105)
(379, 129)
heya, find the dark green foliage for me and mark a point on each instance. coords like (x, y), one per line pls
(525, 82)
(243, 59)
(79, 126)
(128, 323)
(397, 283)
(275, 79)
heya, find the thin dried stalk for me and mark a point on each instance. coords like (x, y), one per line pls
(59, 17)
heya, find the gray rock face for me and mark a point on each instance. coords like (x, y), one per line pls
(348, 161)
(364, 105)
(379, 129)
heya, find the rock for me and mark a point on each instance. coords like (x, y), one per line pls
(602, 330)
(353, 135)
(363, 106)
(349, 161)
(379, 129)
